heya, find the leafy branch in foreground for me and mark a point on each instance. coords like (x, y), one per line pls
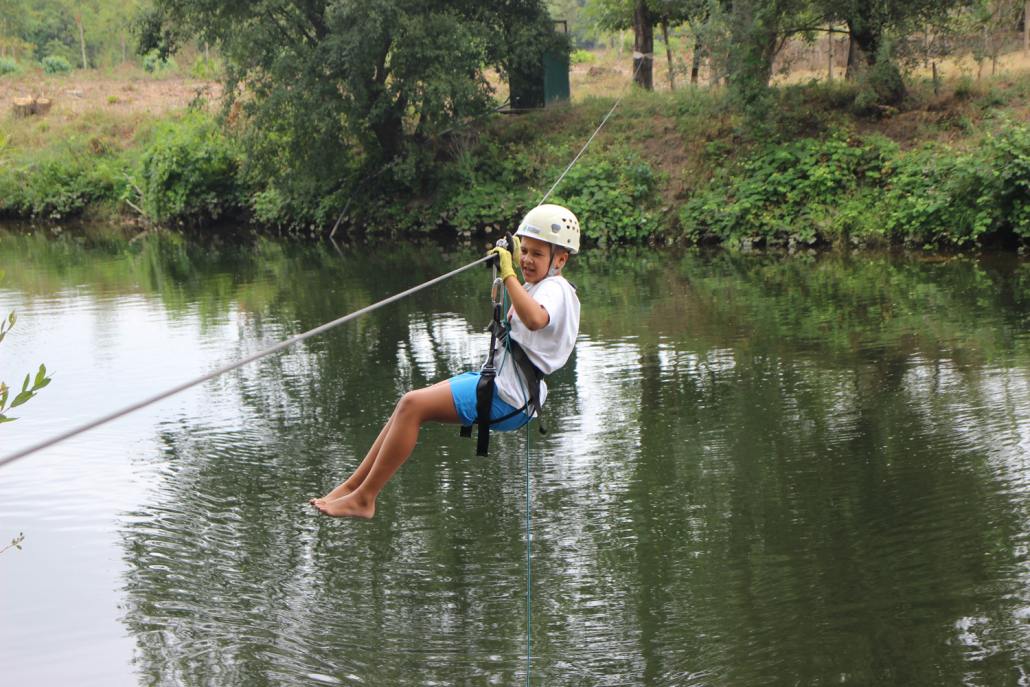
(15, 543)
(29, 387)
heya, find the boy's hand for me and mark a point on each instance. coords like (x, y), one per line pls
(505, 262)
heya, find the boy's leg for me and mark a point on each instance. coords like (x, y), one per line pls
(435, 404)
(356, 477)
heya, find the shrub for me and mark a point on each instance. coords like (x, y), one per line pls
(938, 198)
(189, 173)
(62, 184)
(204, 68)
(55, 64)
(582, 57)
(614, 197)
(788, 193)
(153, 63)
(8, 66)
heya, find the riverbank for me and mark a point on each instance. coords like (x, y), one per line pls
(945, 170)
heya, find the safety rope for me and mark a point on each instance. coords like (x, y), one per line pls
(17, 455)
(529, 501)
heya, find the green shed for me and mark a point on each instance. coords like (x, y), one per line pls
(545, 83)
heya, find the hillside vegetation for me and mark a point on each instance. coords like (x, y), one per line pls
(947, 170)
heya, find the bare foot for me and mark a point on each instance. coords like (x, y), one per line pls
(336, 493)
(351, 505)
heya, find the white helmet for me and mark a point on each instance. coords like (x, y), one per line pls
(553, 224)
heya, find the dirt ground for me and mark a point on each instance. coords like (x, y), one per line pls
(118, 92)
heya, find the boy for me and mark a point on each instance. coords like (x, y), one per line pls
(544, 320)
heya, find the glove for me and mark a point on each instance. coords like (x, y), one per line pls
(505, 262)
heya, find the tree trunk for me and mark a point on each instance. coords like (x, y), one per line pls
(695, 61)
(643, 46)
(936, 78)
(829, 54)
(1026, 26)
(668, 55)
(82, 41)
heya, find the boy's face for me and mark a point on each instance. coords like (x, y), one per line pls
(536, 257)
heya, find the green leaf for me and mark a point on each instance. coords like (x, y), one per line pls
(21, 398)
(40, 376)
(25, 385)
(4, 418)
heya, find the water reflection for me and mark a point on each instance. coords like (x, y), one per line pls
(760, 471)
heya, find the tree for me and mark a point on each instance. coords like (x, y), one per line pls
(643, 16)
(757, 31)
(330, 86)
(869, 22)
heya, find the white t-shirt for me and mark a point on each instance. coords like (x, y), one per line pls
(548, 347)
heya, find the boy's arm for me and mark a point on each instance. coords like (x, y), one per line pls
(532, 314)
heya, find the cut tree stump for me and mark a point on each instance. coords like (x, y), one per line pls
(26, 107)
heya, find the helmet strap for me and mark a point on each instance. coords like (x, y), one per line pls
(552, 271)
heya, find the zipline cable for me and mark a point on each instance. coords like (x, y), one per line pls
(22, 453)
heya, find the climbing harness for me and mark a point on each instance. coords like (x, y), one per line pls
(500, 337)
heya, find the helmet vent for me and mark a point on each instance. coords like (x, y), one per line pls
(556, 227)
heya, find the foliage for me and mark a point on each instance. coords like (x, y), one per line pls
(29, 387)
(846, 188)
(938, 198)
(8, 65)
(881, 84)
(16, 543)
(55, 64)
(577, 57)
(61, 183)
(615, 198)
(188, 173)
(783, 192)
(155, 63)
(334, 88)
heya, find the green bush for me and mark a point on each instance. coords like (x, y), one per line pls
(785, 192)
(55, 64)
(8, 66)
(582, 57)
(615, 198)
(204, 68)
(937, 198)
(189, 173)
(153, 63)
(867, 191)
(60, 183)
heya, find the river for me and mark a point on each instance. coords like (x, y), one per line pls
(760, 470)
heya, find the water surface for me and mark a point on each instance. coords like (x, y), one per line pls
(761, 470)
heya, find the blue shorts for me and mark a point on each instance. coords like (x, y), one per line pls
(463, 391)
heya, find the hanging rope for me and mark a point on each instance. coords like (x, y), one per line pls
(529, 500)
(18, 455)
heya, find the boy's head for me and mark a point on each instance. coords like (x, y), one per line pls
(550, 234)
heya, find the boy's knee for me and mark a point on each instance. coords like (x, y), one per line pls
(408, 403)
